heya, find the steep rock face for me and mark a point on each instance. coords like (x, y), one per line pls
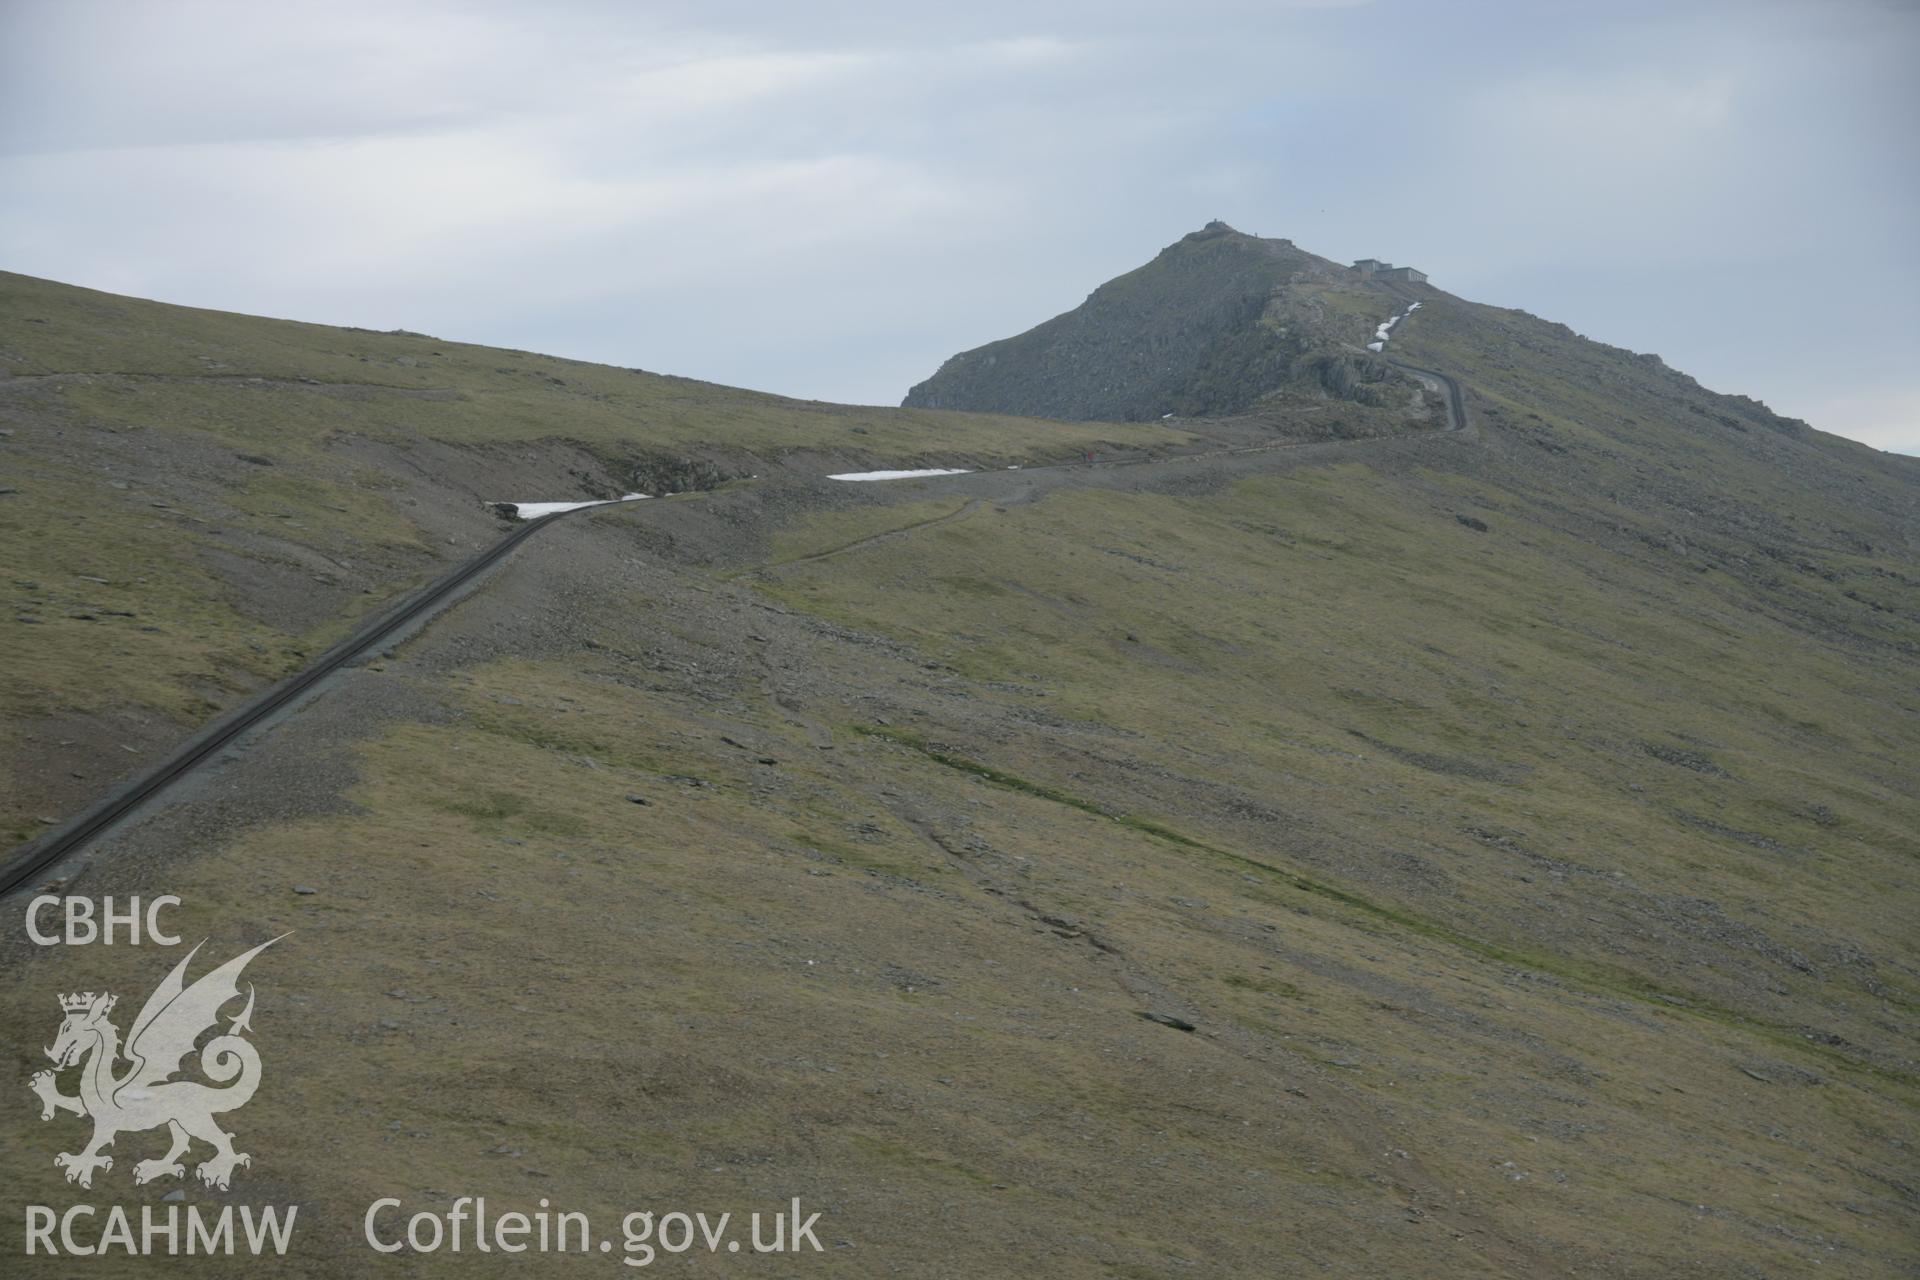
(1215, 323)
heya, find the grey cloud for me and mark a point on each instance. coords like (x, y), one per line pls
(828, 199)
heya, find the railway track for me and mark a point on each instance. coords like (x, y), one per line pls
(32, 859)
(1456, 402)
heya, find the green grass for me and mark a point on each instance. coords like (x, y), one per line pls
(181, 365)
(1480, 983)
(164, 402)
(1326, 687)
(1595, 979)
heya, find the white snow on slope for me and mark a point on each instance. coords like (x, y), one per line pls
(1384, 330)
(900, 475)
(534, 510)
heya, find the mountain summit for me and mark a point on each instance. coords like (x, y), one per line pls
(1218, 322)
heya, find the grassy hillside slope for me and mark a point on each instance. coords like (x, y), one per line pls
(1465, 855)
(197, 502)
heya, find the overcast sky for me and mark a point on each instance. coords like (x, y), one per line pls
(827, 200)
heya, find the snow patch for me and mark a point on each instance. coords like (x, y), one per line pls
(1384, 330)
(534, 510)
(899, 475)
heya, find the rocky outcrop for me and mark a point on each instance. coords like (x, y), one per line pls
(1216, 322)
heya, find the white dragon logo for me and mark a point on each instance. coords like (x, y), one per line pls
(173, 1018)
